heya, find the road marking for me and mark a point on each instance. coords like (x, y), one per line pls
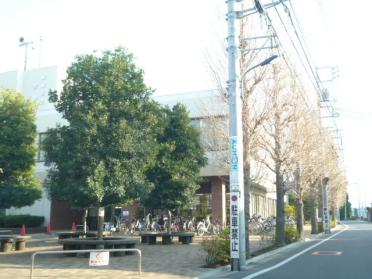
(327, 253)
(291, 258)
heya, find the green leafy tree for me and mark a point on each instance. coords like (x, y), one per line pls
(19, 185)
(102, 156)
(348, 209)
(179, 159)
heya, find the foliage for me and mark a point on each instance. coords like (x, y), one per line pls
(307, 209)
(320, 227)
(102, 156)
(290, 234)
(348, 209)
(16, 221)
(179, 159)
(290, 210)
(218, 249)
(19, 185)
(333, 223)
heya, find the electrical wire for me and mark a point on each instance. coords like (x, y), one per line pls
(313, 75)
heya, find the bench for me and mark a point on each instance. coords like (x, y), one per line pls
(93, 243)
(149, 237)
(6, 242)
(6, 232)
(166, 238)
(184, 237)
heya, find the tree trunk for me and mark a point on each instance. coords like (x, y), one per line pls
(299, 207)
(280, 218)
(85, 216)
(300, 217)
(314, 216)
(101, 219)
(247, 202)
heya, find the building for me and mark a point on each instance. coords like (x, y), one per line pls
(208, 112)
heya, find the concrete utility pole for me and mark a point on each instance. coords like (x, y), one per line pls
(237, 218)
(323, 98)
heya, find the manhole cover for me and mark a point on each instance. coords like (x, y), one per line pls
(327, 253)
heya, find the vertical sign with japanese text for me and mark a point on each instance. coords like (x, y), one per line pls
(234, 224)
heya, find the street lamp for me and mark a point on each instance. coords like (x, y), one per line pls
(263, 63)
(26, 44)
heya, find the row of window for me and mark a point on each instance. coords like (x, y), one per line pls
(40, 155)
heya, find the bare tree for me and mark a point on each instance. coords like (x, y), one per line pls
(305, 164)
(276, 148)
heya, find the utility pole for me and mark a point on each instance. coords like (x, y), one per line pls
(237, 218)
(234, 87)
(325, 180)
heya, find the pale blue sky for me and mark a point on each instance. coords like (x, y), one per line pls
(169, 38)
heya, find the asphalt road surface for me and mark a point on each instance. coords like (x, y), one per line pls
(345, 254)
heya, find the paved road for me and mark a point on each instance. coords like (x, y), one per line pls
(346, 254)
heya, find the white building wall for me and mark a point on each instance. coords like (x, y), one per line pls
(9, 80)
(35, 84)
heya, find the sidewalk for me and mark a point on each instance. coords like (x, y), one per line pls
(158, 261)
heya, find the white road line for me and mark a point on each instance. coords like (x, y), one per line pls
(291, 258)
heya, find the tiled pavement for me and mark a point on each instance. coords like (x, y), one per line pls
(158, 261)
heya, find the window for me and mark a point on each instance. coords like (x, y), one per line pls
(40, 153)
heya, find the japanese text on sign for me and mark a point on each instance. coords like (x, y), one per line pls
(99, 258)
(234, 224)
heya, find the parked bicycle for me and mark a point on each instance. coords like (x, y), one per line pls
(206, 227)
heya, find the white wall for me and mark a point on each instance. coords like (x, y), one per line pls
(9, 80)
(35, 84)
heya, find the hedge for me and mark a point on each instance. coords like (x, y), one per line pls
(16, 221)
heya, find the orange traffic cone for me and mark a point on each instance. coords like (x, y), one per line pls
(73, 228)
(23, 230)
(49, 229)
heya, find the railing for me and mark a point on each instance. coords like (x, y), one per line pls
(86, 251)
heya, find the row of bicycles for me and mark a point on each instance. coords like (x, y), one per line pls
(258, 225)
(160, 223)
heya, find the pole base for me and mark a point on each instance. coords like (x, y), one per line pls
(235, 266)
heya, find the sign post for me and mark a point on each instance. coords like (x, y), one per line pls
(326, 225)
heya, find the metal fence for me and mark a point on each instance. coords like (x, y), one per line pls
(85, 251)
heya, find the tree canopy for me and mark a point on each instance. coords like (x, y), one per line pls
(101, 157)
(18, 183)
(179, 159)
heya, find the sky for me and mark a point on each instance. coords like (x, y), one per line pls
(171, 39)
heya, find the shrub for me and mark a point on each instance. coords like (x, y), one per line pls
(290, 210)
(320, 227)
(290, 234)
(333, 223)
(16, 221)
(218, 249)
